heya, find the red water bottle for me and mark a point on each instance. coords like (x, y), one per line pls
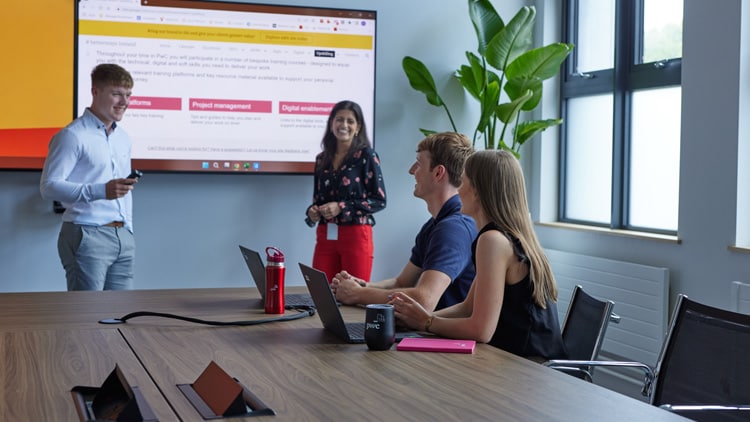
(274, 281)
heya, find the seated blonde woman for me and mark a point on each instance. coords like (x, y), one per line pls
(512, 302)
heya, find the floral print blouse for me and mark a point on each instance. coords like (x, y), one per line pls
(357, 186)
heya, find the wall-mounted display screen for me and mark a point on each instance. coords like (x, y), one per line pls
(227, 86)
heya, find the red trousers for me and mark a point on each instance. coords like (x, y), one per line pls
(352, 252)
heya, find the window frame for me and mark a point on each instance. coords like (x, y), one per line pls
(621, 81)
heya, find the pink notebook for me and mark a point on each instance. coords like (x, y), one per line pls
(417, 344)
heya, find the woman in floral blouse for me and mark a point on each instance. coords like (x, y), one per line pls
(348, 188)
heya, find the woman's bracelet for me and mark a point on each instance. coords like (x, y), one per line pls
(428, 324)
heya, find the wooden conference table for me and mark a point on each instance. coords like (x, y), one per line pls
(52, 341)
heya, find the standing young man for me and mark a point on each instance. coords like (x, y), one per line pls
(439, 271)
(86, 170)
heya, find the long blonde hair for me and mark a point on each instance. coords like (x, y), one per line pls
(498, 180)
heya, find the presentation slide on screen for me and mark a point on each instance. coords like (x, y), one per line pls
(224, 89)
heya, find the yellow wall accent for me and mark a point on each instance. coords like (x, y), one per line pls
(36, 77)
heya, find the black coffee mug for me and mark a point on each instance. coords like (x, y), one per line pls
(380, 327)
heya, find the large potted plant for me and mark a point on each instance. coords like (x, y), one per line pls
(504, 120)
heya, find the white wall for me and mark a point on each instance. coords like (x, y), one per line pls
(188, 226)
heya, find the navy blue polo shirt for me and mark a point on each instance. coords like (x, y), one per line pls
(444, 244)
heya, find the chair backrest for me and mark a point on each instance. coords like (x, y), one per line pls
(585, 325)
(705, 358)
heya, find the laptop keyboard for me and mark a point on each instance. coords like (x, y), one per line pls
(356, 329)
(298, 300)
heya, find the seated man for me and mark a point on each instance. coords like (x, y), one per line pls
(440, 271)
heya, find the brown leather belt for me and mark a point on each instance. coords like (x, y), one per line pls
(114, 224)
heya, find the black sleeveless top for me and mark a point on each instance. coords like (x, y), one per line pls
(524, 328)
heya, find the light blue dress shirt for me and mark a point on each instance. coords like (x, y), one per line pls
(82, 158)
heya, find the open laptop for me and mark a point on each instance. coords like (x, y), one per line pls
(329, 312)
(258, 272)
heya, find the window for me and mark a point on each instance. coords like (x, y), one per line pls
(621, 97)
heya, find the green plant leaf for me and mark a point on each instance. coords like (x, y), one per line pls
(521, 72)
(542, 63)
(513, 40)
(517, 87)
(486, 22)
(527, 130)
(507, 112)
(488, 101)
(427, 132)
(472, 77)
(503, 145)
(421, 80)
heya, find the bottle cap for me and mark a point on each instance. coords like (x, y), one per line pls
(274, 254)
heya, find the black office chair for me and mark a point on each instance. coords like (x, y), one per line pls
(703, 370)
(583, 330)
